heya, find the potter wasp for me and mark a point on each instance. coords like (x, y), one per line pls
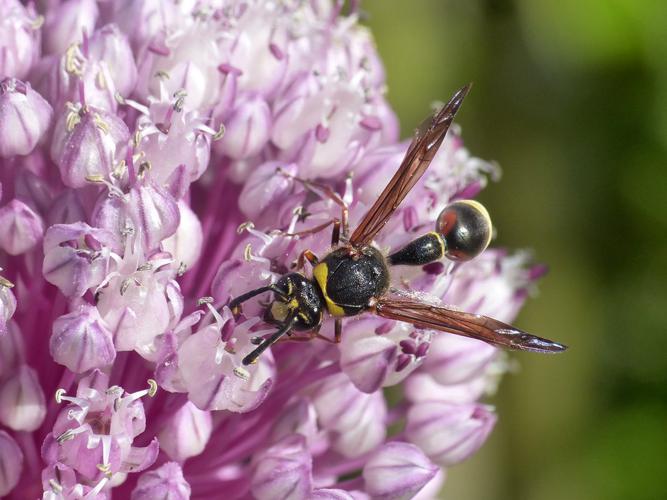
(354, 277)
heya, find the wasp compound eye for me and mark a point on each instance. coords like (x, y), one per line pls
(465, 226)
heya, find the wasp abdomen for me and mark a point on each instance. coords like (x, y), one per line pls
(462, 232)
(423, 250)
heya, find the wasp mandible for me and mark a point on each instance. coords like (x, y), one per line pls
(355, 276)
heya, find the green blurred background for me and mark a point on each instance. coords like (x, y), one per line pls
(570, 97)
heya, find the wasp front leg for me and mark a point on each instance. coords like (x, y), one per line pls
(338, 330)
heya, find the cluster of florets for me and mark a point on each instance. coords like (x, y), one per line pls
(137, 139)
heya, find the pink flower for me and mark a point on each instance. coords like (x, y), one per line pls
(24, 117)
(176, 156)
(397, 470)
(19, 37)
(11, 463)
(7, 304)
(165, 482)
(81, 341)
(449, 432)
(87, 143)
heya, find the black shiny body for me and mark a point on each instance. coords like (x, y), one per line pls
(423, 250)
(301, 296)
(353, 278)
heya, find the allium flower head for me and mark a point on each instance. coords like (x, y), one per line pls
(161, 158)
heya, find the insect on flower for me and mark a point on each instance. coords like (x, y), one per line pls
(354, 277)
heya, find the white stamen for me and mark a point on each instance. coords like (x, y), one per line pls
(259, 234)
(348, 195)
(216, 315)
(98, 487)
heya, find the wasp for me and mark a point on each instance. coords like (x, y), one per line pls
(355, 276)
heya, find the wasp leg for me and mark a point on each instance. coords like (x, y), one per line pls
(338, 330)
(322, 337)
(266, 343)
(326, 192)
(335, 234)
(309, 256)
(312, 230)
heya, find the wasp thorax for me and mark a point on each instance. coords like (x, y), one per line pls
(465, 226)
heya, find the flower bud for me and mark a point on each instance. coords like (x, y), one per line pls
(186, 244)
(189, 56)
(67, 23)
(247, 129)
(19, 38)
(449, 433)
(166, 482)
(12, 351)
(11, 463)
(143, 19)
(7, 307)
(453, 360)
(20, 228)
(81, 340)
(299, 417)
(22, 403)
(77, 256)
(33, 190)
(154, 212)
(421, 386)
(397, 471)
(355, 419)
(110, 47)
(186, 433)
(258, 52)
(86, 143)
(66, 209)
(433, 488)
(283, 471)
(24, 117)
(366, 357)
(265, 188)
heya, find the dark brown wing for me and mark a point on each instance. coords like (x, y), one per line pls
(475, 326)
(417, 159)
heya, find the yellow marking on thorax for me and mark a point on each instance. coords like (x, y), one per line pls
(321, 272)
